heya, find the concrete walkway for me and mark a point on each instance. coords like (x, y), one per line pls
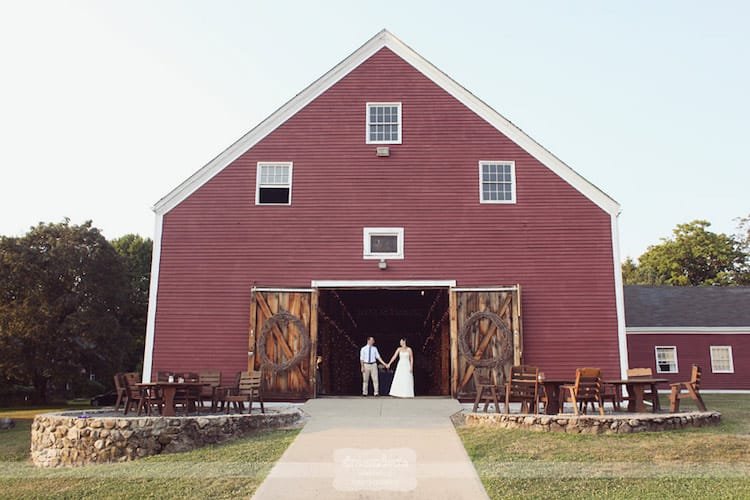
(375, 448)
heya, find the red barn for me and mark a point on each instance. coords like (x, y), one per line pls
(387, 200)
(671, 328)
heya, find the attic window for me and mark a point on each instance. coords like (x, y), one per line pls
(383, 243)
(273, 184)
(383, 123)
(497, 182)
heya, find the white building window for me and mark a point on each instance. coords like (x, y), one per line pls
(666, 359)
(721, 359)
(497, 182)
(383, 123)
(383, 242)
(273, 183)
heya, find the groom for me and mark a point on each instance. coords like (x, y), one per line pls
(368, 357)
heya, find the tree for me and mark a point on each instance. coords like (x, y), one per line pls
(63, 289)
(136, 254)
(693, 256)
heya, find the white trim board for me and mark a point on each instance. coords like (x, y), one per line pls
(712, 391)
(688, 330)
(382, 283)
(622, 338)
(379, 41)
(148, 349)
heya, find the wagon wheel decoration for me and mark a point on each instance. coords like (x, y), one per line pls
(504, 336)
(277, 321)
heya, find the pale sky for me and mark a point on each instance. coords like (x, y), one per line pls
(107, 106)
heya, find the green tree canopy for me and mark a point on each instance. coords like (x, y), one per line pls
(63, 290)
(136, 254)
(693, 256)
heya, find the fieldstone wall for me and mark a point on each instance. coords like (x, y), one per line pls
(64, 440)
(594, 424)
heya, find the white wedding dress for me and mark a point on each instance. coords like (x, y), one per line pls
(403, 380)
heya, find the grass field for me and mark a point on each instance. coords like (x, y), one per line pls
(232, 470)
(710, 462)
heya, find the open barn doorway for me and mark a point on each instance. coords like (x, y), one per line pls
(347, 317)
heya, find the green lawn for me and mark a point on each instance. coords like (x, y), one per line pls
(224, 471)
(710, 462)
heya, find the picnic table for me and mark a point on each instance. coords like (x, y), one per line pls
(636, 387)
(168, 390)
(552, 390)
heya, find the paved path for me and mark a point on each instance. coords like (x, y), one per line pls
(375, 448)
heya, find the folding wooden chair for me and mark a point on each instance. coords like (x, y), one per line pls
(486, 380)
(693, 391)
(587, 389)
(523, 386)
(248, 389)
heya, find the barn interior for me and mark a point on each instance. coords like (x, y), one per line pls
(347, 317)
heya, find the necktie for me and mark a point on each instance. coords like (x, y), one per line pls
(369, 355)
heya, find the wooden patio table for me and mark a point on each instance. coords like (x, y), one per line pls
(168, 390)
(635, 388)
(552, 390)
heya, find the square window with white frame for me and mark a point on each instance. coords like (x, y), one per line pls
(721, 359)
(273, 184)
(666, 359)
(497, 182)
(383, 123)
(383, 243)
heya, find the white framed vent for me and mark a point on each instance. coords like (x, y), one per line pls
(383, 242)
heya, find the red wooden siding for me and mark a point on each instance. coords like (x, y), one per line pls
(694, 348)
(554, 242)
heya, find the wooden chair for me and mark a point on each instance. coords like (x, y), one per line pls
(523, 386)
(121, 390)
(151, 398)
(486, 380)
(587, 389)
(208, 392)
(133, 393)
(164, 376)
(693, 391)
(651, 393)
(248, 388)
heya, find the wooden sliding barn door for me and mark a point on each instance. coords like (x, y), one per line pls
(283, 341)
(485, 333)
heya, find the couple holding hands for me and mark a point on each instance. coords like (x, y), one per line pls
(403, 380)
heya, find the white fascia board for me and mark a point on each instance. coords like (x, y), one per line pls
(386, 39)
(692, 330)
(276, 119)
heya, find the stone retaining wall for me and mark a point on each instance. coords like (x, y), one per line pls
(62, 440)
(594, 424)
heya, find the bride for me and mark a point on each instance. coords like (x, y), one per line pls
(403, 380)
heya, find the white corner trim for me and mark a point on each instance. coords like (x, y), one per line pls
(148, 351)
(382, 283)
(379, 41)
(622, 338)
(688, 330)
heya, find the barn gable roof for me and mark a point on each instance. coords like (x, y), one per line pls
(379, 41)
(687, 306)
